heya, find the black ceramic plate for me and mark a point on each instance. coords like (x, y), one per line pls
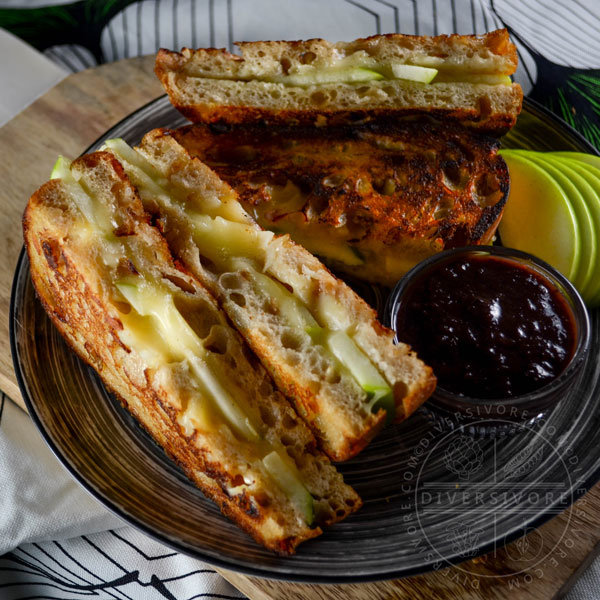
(430, 494)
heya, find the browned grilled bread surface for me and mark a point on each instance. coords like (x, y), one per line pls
(210, 85)
(371, 200)
(85, 235)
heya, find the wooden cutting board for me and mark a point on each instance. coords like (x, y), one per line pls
(66, 120)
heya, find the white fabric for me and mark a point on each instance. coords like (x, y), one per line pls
(39, 500)
(25, 75)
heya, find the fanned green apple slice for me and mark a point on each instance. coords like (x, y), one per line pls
(538, 217)
(591, 175)
(588, 159)
(589, 244)
(330, 75)
(413, 72)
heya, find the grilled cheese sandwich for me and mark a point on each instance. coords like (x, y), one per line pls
(316, 82)
(159, 340)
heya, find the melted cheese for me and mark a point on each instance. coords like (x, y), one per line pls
(226, 242)
(222, 240)
(151, 182)
(161, 336)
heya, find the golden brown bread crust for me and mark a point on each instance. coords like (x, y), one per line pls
(416, 188)
(76, 296)
(495, 42)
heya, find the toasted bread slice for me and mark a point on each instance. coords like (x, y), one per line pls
(369, 200)
(462, 78)
(160, 342)
(321, 343)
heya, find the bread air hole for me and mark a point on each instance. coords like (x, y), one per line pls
(293, 358)
(290, 340)
(230, 281)
(487, 188)
(289, 422)
(314, 386)
(287, 440)
(332, 376)
(207, 264)
(267, 416)
(307, 58)
(265, 389)
(180, 282)
(319, 98)
(237, 299)
(454, 177)
(286, 63)
(300, 459)
(270, 307)
(217, 341)
(198, 313)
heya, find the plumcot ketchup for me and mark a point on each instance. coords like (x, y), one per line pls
(488, 327)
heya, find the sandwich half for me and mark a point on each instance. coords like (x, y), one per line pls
(321, 343)
(370, 200)
(315, 82)
(160, 342)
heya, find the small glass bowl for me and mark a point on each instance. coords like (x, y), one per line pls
(457, 410)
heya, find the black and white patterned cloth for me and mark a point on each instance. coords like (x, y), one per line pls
(56, 541)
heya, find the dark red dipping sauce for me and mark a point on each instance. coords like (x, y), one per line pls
(488, 327)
